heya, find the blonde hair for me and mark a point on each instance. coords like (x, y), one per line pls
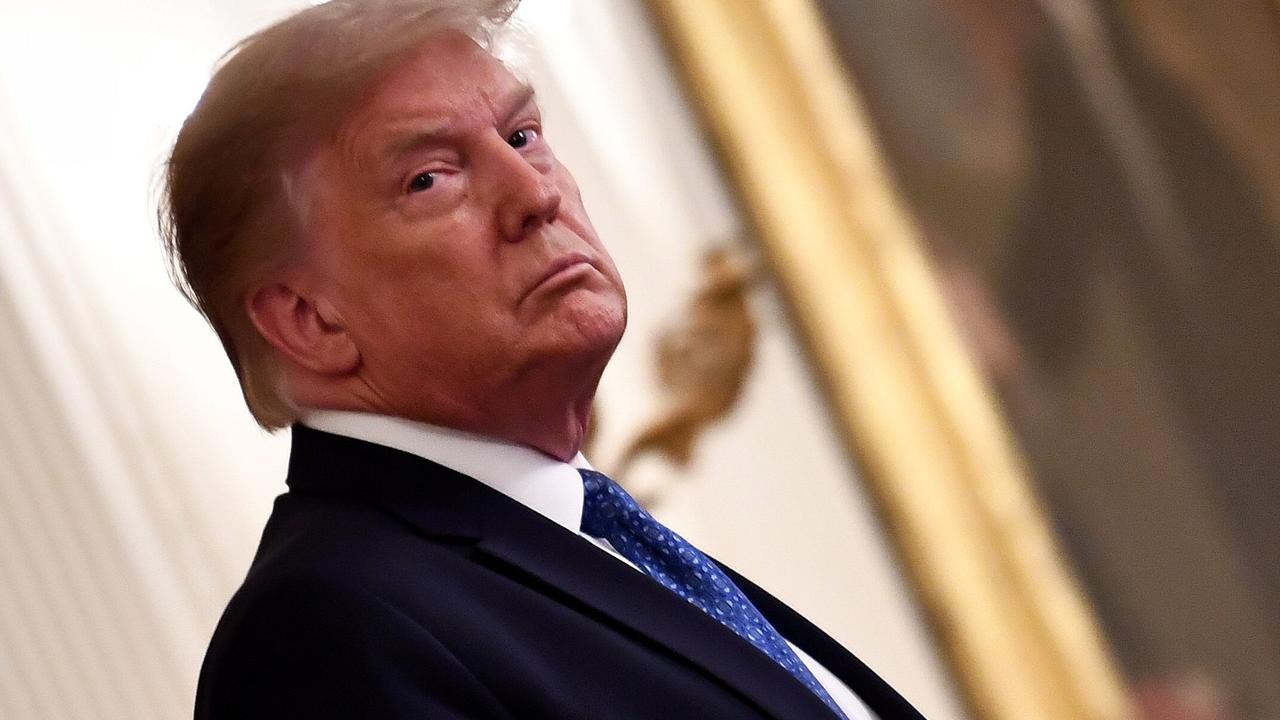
(230, 211)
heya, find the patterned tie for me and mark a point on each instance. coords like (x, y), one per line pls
(611, 514)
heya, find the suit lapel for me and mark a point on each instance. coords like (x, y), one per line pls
(874, 691)
(523, 545)
(564, 565)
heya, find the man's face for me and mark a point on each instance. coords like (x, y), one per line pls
(453, 245)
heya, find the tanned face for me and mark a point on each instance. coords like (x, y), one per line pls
(454, 250)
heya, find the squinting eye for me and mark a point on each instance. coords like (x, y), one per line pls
(422, 181)
(520, 138)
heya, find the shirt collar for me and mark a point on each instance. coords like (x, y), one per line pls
(548, 486)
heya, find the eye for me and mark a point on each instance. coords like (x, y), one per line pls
(521, 138)
(422, 181)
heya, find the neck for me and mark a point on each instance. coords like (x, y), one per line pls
(548, 414)
(560, 433)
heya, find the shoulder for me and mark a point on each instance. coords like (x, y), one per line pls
(314, 585)
(320, 628)
(307, 646)
(320, 557)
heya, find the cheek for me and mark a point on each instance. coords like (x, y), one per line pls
(401, 260)
(574, 214)
(569, 191)
(433, 299)
(385, 290)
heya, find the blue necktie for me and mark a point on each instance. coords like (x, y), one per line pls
(609, 513)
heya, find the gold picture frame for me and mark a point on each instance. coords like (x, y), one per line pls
(800, 153)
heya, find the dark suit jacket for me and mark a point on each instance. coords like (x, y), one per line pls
(387, 586)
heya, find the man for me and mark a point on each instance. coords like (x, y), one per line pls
(365, 208)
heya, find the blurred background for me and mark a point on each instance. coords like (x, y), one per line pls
(1099, 186)
(1094, 189)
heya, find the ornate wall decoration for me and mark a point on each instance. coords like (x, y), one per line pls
(702, 362)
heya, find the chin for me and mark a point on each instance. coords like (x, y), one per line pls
(589, 323)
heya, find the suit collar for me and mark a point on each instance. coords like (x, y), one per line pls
(526, 546)
(419, 491)
(545, 484)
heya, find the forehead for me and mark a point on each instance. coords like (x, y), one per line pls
(448, 77)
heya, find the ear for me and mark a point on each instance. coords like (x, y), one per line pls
(307, 333)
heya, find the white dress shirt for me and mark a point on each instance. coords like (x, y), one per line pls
(540, 482)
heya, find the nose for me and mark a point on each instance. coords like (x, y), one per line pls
(529, 198)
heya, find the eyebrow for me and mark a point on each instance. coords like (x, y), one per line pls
(437, 132)
(516, 100)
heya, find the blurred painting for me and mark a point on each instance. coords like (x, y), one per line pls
(1098, 185)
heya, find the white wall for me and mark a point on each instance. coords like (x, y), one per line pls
(133, 483)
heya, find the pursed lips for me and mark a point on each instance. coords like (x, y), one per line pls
(555, 268)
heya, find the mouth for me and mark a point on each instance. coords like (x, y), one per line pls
(563, 266)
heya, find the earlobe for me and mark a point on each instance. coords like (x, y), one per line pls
(302, 331)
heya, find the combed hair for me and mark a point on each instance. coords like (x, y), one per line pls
(230, 208)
